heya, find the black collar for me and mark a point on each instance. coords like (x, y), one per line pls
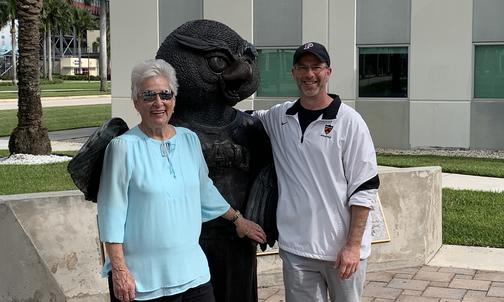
(329, 113)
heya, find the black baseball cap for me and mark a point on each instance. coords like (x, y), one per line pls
(315, 49)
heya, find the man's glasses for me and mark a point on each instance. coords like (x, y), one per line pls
(305, 68)
(150, 96)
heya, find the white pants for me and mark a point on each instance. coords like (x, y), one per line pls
(311, 280)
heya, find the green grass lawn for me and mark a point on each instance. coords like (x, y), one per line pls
(450, 164)
(67, 88)
(18, 179)
(60, 118)
(473, 218)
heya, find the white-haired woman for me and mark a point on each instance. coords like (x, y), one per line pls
(154, 194)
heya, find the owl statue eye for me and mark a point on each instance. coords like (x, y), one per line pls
(217, 64)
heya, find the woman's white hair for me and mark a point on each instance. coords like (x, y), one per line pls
(149, 69)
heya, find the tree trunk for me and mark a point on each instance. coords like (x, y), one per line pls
(45, 56)
(74, 35)
(103, 45)
(79, 51)
(13, 60)
(61, 46)
(49, 53)
(29, 136)
(53, 63)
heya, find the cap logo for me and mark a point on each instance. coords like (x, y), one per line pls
(308, 45)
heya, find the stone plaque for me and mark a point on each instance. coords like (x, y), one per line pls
(379, 229)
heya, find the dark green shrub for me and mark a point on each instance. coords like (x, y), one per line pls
(54, 81)
(80, 77)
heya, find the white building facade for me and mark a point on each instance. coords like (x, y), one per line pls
(422, 73)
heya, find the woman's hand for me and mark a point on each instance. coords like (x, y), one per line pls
(252, 230)
(124, 284)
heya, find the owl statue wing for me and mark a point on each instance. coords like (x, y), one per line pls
(262, 204)
(86, 166)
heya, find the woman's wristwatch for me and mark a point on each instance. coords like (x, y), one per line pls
(236, 215)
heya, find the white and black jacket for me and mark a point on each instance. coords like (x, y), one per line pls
(321, 173)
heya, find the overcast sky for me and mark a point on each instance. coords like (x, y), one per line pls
(5, 39)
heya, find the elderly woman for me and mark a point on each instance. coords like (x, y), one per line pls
(154, 194)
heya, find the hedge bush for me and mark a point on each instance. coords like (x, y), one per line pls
(80, 77)
(54, 81)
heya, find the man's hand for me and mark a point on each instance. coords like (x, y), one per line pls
(252, 230)
(124, 284)
(347, 261)
(348, 258)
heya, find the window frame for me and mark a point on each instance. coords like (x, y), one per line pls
(473, 72)
(357, 71)
(283, 97)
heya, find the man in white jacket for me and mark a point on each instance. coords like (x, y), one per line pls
(328, 180)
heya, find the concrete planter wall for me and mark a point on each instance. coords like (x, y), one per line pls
(411, 201)
(49, 247)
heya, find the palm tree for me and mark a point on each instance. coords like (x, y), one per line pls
(29, 136)
(103, 42)
(8, 15)
(55, 15)
(103, 45)
(82, 20)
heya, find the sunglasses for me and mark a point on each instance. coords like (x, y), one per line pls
(150, 96)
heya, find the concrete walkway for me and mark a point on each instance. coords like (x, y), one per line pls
(65, 140)
(421, 284)
(470, 182)
(456, 273)
(9, 104)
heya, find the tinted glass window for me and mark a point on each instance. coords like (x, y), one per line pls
(383, 72)
(489, 71)
(275, 68)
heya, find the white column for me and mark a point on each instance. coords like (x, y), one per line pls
(236, 14)
(134, 38)
(342, 49)
(440, 73)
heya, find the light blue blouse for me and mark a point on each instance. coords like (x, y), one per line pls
(153, 197)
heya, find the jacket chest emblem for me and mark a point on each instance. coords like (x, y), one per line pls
(327, 131)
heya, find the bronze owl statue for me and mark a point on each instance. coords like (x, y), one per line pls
(216, 68)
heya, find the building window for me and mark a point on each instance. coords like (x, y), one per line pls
(275, 70)
(383, 72)
(489, 71)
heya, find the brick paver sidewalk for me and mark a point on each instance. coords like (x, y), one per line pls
(422, 284)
